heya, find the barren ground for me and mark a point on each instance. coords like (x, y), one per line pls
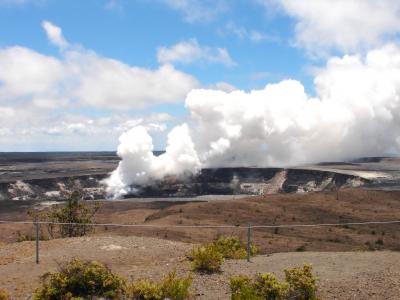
(343, 275)
(348, 206)
(357, 273)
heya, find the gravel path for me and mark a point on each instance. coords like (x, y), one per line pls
(343, 275)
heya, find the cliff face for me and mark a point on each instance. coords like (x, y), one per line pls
(52, 189)
(219, 181)
(47, 176)
(252, 181)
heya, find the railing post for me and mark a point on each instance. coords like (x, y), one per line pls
(248, 243)
(37, 240)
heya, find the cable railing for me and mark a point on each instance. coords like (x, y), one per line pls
(205, 226)
(248, 227)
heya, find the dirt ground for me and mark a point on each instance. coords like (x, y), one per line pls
(312, 208)
(342, 275)
(341, 256)
(347, 206)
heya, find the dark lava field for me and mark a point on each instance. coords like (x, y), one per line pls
(47, 176)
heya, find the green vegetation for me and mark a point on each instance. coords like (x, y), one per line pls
(299, 284)
(206, 259)
(301, 248)
(145, 289)
(170, 287)
(233, 248)
(264, 286)
(74, 211)
(4, 295)
(243, 288)
(22, 237)
(302, 283)
(81, 280)
(92, 280)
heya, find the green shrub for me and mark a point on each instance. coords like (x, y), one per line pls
(145, 289)
(4, 295)
(301, 248)
(233, 248)
(206, 259)
(269, 287)
(170, 287)
(81, 280)
(22, 237)
(302, 283)
(230, 247)
(264, 286)
(75, 211)
(242, 288)
(176, 288)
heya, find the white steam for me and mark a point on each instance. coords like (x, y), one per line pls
(139, 165)
(356, 112)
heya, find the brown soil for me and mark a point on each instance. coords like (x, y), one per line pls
(352, 275)
(348, 206)
(312, 208)
(342, 275)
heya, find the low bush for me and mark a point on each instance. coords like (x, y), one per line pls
(242, 288)
(81, 280)
(300, 284)
(270, 288)
(301, 248)
(22, 237)
(4, 295)
(170, 287)
(145, 289)
(73, 218)
(176, 288)
(233, 248)
(264, 286)
(206, 259)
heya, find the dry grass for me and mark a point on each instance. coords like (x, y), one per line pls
(353, 205)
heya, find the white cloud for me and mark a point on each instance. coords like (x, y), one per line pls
(198, 10)
(7, 112)
(54, 34)
(42, 96)
(30, 129)
(191, 51)
(27, 75)
(243, 33)
(109, 83)
(346, 25)
(223, 86)
(83, 78)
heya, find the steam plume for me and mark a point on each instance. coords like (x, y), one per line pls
(356, 112)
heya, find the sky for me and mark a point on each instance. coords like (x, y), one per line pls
(75, 75)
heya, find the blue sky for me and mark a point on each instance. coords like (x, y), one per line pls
(239, 44)
(131, 31)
